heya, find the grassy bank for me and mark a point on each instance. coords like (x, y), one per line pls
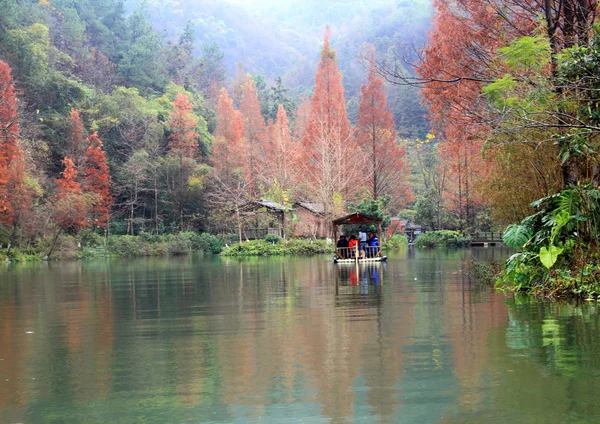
(276, 247)
(91, 246)
(273, 246)
(442, 238)
(395, 242)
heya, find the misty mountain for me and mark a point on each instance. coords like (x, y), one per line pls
(283, 38)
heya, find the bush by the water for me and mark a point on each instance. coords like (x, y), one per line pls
(442, 238)
(483, 272)
(272, 238)
(558, 246)
(91, 245)
(298, 247)
(395, 242)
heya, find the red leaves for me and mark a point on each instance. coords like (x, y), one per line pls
(184, 138)
(76, 139)
(330, 155)
(70, 206)
(281, 167)
(15, 197)
(9, 131)
(229, 152)
(255, 134)
(386, 170)
(96, 180)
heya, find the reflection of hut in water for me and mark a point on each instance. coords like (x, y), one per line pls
(362, 278)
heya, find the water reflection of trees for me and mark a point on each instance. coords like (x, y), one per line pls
(200, 339)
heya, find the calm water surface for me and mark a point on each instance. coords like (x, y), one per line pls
(204, 339)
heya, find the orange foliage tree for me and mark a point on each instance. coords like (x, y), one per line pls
(281, 156)
(76, 139)
(183, 143)
(183, 139)
(9, 132)
(331, 160)
(255, 133)
(15, 196)
(231, 186)
(386, 168)
(459, 60)
(462, 44)
(96, 180)
(229, 152)
(70, 204)
(458, 63)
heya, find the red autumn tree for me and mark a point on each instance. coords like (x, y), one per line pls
(255, 132)
(76, 139)
(229, 151)
(386, 169)
(281, 168)
(19, 195)
(301, 119)
(331, 158)
(9, 132)
(460, 59)
(183, 143)
(70, 204)
(182, 124)
(230, 188)
(96, 180)
(466, 168)
(458, 62)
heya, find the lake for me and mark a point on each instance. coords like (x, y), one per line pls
(205, 339)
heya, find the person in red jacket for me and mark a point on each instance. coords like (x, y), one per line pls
(352, 246)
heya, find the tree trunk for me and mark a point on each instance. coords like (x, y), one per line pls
(53, 243)
(156, 205)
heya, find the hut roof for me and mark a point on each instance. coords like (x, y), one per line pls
(356, 218)
(314, 207)
(258, 204)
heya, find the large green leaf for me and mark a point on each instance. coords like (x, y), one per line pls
(516, 235)
(549, 255)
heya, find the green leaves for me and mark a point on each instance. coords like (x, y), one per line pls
(516, 235)
(527, 53)
(548, 256)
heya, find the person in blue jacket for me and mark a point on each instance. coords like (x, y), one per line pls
(373, 244)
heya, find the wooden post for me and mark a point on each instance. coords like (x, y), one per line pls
(379, 241)
(335, 239)
(356, 253)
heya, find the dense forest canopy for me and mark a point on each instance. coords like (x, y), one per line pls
(157, 117)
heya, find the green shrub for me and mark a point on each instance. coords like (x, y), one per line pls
(297, 247)
(91, 239)
(20, 255)
(92, 253)
(442, 238)
(179, 244)
(395, 242)
(272, 238)
(484, 272)
(210, 243)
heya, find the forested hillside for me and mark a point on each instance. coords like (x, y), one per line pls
(111, 125)
(282, 39)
